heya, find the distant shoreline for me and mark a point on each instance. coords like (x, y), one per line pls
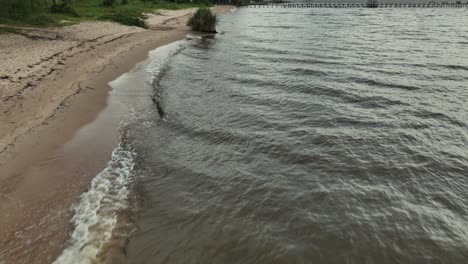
(52, 83)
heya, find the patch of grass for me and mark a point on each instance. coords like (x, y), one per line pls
(128, 13)
(41, 20)
(4, 20)
(93, 9)
(4, 30)
(125, 19)
(34, 20)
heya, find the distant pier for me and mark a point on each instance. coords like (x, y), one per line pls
(353, 5)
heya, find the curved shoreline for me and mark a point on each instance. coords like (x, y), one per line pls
(45, 169)
(45, 176)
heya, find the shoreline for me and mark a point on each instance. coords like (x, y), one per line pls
(42, 173)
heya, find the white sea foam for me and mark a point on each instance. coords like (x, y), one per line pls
(160, 57)
(95, 216)
(96, 213)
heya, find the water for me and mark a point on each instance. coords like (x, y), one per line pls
(308, 136)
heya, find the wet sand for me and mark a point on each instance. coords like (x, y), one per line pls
(44, 163)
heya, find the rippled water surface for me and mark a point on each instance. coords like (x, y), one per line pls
(309, 136)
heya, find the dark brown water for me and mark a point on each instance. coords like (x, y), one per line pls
(307, 136)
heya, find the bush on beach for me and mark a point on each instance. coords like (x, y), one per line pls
(63, 9)
(203, 20)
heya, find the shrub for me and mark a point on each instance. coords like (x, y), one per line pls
(64, 9)
(109, 2)
(203, 2)
(203, 20)
(125, 19)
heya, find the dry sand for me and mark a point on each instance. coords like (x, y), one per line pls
(52, 83)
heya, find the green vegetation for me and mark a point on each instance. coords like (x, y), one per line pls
(203, 20)
(64, 8)
(56, 12)
(7, 30)
(125, 19)
(21, 7)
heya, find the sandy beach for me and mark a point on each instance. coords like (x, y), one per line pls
(53, 82)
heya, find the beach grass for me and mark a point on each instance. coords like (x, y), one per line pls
(130, 13)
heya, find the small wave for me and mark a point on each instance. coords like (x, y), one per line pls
(433, 66)
(427, 114)
(456, 67)
(265, 50)
(100, 215)
(273, 101)
(96, 213)
(309, 72)
(293, 58)
(279, 27)
(158, 67)
(208, 136)
(371, 82)
(352, 98)
(253, 80)
(347, 121)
